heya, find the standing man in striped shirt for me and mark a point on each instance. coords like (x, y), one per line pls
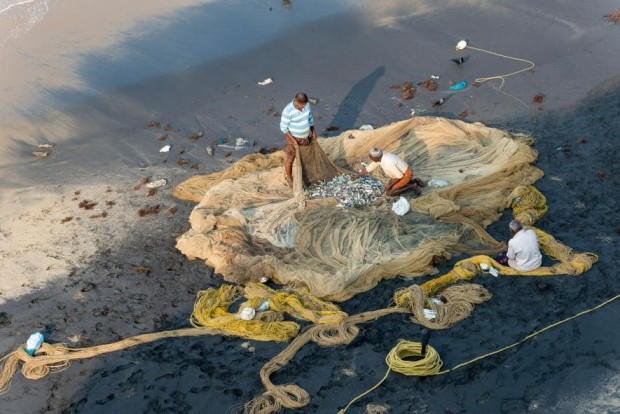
(297, 125)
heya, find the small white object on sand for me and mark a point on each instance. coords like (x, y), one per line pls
(438, 183)
(401, 206)
(158, 183)
(430, 314)
(366, 127)
(247, 314)
(240, 142)
(165, 149)
(266, 82)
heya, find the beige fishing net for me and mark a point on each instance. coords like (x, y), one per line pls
(248, 224)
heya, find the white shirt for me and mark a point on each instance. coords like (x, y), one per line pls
(523, 252)
(391, 165)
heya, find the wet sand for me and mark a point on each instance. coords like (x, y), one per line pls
(99, 278)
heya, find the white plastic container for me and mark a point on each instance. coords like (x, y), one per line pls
(34, 343)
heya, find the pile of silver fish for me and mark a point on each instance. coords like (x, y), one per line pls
(348, 191)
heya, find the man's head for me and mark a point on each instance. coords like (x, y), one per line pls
(375, 154)
(515, 226)
(301, 100)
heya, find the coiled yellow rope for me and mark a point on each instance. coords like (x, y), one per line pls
(430, 363)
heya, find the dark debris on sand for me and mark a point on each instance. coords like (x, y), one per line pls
(148, 210)
(407, 91)
(613, 17)
(428, 84)
(87, 204)
(196, 137)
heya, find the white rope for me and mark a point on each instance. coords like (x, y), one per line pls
(504, 76)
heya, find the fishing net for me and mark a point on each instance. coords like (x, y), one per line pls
(249, 224)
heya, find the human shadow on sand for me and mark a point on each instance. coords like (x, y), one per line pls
(351, 106)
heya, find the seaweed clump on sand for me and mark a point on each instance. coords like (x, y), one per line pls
(613, 17)
(142, 270)
(407, 91)
(148, 210)
(429, 84)
(196, 137)
(87, 204)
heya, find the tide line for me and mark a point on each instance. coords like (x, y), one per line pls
(10, 6)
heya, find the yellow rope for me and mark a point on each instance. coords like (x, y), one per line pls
(532, 335)
(503, 78)
(528, 206)
(211, 311)
(431, 363)
(300, 304)
(210, 317)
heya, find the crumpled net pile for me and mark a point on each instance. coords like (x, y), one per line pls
(248, 224)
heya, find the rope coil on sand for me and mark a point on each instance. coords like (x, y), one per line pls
(459, 304)
(430, 363)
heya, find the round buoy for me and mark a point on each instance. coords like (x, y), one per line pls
(461, 45)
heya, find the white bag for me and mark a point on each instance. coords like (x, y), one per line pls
(401, 206)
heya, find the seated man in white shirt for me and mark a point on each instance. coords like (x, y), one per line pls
(523, 252)
(401, 176)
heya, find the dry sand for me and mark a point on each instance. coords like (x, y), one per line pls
(90, 79)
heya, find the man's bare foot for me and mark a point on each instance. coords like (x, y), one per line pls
(289, 181)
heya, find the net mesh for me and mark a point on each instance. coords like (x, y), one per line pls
(249, 224)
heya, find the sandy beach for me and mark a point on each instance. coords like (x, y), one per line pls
(87, 252)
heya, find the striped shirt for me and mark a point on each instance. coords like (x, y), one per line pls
(297, 122)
